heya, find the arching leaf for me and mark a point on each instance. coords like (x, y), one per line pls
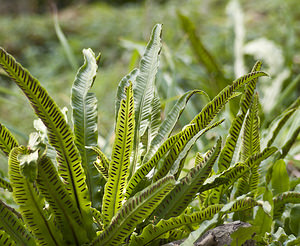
(7, 140)
(168, 124)
(236, 126)
(203, 119)
(63, 207)
(147, 167)
(31, 204)
(133, 212)
(282, 199)
(118, 168)
(179, 162)
(153, 232)
(84, 106)
(144, 87)
(14, 227)
(59, 132)
(185, 191)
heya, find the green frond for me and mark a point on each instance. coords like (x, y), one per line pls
(282, 199)
(243, 204)
(7, 140)
(237, 171)
(199, 158)
(185, 191)
(4, 184)
(98, 218)
(31, 204)
(236, 125)
(168, 124)
(103, 169)
(144, 88)
(250, 137)
(147, 167)
(14, 227)
(85, 118)
(59, 132)
(64, 209)
(102, 157)
(204, 118)
(118, 168)
(133, 212)
(250, 179)
(153, 232)
(5, 239)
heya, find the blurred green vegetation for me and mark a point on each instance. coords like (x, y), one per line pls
(118, 32)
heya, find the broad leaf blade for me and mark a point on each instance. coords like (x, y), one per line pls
(134, 211)
(118, 168)
(84, 105)
(144, 87)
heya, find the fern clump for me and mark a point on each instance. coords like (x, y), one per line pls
(68, 192)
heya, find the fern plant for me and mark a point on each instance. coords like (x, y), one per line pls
(68, 192)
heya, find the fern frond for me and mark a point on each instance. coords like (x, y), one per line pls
(14, 227)
(133, 212)
(62, 206)
(118, 168)
(282, 199)
(85, 119)
(7, 140)
(144, 89)
(147, 167)
(5, 239)
(31, 204)
(203, 119)
(4, 184)
(153, 232)
(236, 126)
(186, 190)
